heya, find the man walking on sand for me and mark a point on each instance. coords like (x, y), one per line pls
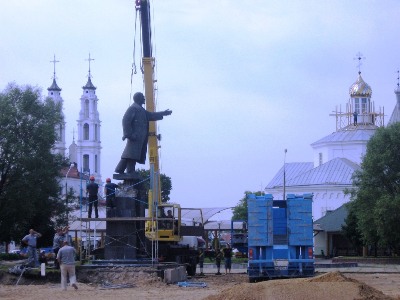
(66, 259)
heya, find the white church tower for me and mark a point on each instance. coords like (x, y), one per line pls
(54, 92)
(395, 117)
(88, 146)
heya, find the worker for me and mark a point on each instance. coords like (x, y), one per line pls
(92, 188)
(227, 258)
(201, 261)
(135, 125)
(355, 114)
(43, 258)
(169, 223)
(66, 259)
(57, 243)
(109, 191)
(218, 257)
(31, 241)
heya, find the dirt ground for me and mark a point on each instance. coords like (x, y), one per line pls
(125, 283)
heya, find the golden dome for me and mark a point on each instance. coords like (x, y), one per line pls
(360, 88)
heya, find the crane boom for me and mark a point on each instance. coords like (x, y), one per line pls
(164, 230)
(148, 69)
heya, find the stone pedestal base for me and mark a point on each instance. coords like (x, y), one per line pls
(124, 240)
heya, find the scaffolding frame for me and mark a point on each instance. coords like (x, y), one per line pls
(345, 118)
(88, 230)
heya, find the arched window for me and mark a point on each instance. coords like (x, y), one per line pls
(86, 163)
(357, 105)
(364, 105)
(86, 108)
(86, 131)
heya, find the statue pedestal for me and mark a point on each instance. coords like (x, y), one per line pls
(124, 238)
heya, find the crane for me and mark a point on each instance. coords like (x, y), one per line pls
(170, 236)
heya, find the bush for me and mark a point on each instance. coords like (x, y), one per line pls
(10, 256)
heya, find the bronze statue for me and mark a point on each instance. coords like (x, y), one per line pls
(135, 125)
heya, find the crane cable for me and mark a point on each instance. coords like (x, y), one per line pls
(134, 68)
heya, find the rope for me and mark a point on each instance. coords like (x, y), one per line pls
(133, 68)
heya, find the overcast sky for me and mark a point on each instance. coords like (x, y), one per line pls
(245, 79)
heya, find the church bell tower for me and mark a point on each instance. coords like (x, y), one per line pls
(88, 148)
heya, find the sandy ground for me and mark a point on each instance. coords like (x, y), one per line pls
(128, 284)
(388, 283)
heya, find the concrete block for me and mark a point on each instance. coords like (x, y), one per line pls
(175, 275)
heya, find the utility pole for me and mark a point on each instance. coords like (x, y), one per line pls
(284, 175)
(66, 191)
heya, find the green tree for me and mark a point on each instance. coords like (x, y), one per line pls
(240, 210)
(144, 186)
(350, 229)
(376, 197)
(29, 172)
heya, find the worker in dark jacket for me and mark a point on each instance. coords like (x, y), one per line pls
(218, 257)
(201, 261)
(92, 188)
(135, 125)
(227, 258)
(109, 191)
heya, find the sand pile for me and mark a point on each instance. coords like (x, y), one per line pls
(332, 285)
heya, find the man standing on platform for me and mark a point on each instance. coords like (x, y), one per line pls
(92, 189)
(109, 191)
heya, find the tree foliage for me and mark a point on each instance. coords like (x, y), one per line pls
(240, 210)
(350, 229)
(29, 172)
(376, 197)
(144, 186)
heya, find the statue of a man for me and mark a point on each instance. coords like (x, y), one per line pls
(135, 125)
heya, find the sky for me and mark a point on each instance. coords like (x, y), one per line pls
(244, 79)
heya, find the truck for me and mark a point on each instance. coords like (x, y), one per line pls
(280, 237)
(239, 238)
(167, 237)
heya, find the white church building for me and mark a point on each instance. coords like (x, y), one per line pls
(335, 156)
(85, 153)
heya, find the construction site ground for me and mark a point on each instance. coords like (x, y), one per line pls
(370, 281)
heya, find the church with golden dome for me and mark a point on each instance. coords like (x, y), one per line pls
(335, 156)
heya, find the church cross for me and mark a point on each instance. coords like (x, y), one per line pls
(89, 59)
(359, 56)
(54, 61)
